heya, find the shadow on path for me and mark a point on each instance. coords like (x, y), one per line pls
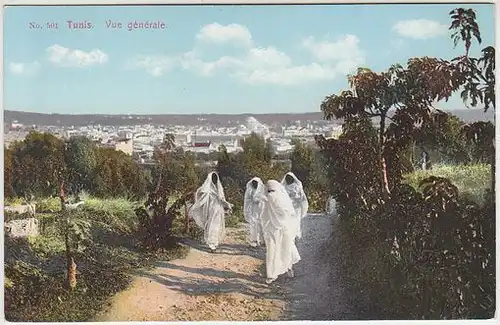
(228, 249)
(317, 291)
(196, 280)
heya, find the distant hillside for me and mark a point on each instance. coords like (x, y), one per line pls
(29, 118)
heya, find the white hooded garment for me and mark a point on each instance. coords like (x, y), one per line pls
(253, 207)
(208, 210)
(299, 199)
(279, 231)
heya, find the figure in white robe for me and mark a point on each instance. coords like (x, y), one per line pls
(209, 209)
(279, 232)
(253, 207)
(295, 190)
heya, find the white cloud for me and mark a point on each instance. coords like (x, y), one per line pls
(191, 61)
(268, 57)
(219, 34)
(289, 75)
(24, 69)
(420, 28)
(263, 65)
(345, 52)
(344, 48)
(157, 66)
(66, 57)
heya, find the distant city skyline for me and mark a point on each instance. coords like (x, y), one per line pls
(212, 59)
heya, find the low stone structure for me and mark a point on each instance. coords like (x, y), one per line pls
(20, 209)
(22, 228)
(74, 206)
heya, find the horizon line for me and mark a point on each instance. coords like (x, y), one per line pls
(161, 114)
(195, 114)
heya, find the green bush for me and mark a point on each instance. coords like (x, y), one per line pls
(118, 214)
(48, 205)
(13, 201)
(35, 268)
(423, 251)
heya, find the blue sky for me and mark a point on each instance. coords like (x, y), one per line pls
(213, 59)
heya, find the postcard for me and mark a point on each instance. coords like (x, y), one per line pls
(249, 162)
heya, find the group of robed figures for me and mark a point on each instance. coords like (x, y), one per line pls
(273, 212)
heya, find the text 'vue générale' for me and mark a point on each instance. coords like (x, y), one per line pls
(108, 24)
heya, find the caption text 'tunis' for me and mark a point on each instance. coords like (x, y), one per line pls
(108, 24)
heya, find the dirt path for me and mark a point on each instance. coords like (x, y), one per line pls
(227, 285)
(317, 292)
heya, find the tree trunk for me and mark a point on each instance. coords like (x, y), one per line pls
(186, 221)
(383, 165)
(70, 263)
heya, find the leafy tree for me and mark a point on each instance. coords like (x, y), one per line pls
(76, 232)
(178, 170)
(256, 148)
(477, 75)
(8, 173)
(436, 247)
(174, 167)
(352, 174)
(39, 164)
(409, 91)
(168, 143)
(81, 161)
(464, 27)
(444, 133)
(176, 177)
(482, 135)
(302, 159)
(308, 165)
(118, 175)
(235, 170)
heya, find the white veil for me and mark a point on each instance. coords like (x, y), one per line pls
(279, 210)
(251, 194)
(296, 191)
(198, 209)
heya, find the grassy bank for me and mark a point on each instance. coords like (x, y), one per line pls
(35, 268)
(471, 180)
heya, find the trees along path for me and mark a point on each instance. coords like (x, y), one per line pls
(229, 284)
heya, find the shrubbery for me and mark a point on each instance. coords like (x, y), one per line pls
(41, 162)
(236, 169)
(36, 286)
(427, 252)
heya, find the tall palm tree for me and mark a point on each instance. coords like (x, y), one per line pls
(464, 27)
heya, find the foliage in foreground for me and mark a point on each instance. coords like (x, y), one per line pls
(427, 252)
(424, 261)
(36, 287)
